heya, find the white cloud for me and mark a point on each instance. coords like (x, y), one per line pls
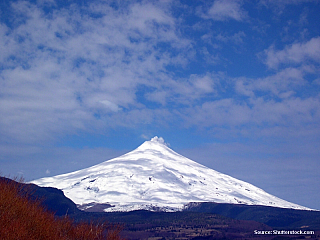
(112, 106)
(284, 81)
(268, 103)
(223, 10)
(63, 69)
(316, 81)
(236, 38)
(203, 84)
(69, 71)
(185, 91)
(284, 2)
(290, 112)
(159, 96)
(144, 136)
(296, 53)
(220, 113)
(292, 117)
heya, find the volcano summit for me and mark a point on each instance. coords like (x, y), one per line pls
(154, 177)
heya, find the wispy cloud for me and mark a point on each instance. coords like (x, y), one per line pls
(286, 80)
(65, 70)
(236, 38)
(76, 69)
(294, 54)
(284, 2)
(223, 10)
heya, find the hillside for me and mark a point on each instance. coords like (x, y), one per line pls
(199, 221)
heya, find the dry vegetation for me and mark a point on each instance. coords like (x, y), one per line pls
(24, 218)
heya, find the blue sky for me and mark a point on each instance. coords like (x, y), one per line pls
(231, 84)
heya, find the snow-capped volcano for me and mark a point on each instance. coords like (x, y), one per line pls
(155, 177)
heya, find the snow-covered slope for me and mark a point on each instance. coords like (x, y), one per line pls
(155, 177)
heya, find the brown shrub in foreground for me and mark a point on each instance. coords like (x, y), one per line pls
(22, 218)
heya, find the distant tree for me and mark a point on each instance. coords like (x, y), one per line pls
(23, 218)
